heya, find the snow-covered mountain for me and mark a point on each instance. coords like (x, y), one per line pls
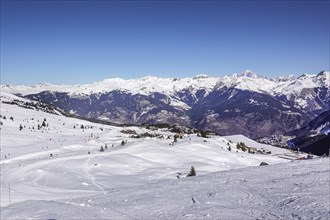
(319, 125)
(315, 137)
(243, 103)
(48, 155)
(58, 167)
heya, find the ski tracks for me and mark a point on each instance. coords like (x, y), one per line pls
(86, 169)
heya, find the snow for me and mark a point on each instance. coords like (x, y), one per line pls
(50, 174)
(145, 86)
(259, 146)
(248, 80)
(293, 190)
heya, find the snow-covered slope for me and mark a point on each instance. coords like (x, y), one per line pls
(62, 159)
(260, 146)
(293, 190)
(247, 80)
(145, 86)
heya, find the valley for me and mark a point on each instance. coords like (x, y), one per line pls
(73, 161)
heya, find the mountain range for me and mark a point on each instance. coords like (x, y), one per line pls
(314, 137)
(245, 103)
(73, 168)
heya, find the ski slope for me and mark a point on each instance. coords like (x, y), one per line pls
(292, 190)
(58, 171)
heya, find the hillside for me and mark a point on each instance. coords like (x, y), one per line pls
(63, 159)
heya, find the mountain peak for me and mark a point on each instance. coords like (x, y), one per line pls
(285, 78)
(43, 84)
(201, 76)
(249, 73)
(147, 78)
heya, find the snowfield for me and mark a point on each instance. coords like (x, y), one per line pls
(59, 172)
(292, 190)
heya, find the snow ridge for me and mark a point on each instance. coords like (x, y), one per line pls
(247, 80)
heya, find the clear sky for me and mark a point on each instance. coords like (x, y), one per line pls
(73, 42)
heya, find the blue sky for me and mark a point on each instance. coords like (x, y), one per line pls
(75, 42)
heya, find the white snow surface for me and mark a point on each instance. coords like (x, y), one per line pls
(145, 178)
(145, 86)
(247, 80)
(293, 190)
(259, 146)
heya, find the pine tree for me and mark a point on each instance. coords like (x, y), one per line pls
(175, 138)
(192, 172)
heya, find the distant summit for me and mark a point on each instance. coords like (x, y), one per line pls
(249, 73)
(201, 76)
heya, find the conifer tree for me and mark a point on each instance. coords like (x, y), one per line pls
(192, 172)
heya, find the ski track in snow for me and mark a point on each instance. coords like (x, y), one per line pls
(139, 180)
(294, 190)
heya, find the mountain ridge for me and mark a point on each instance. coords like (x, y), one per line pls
(233, 104)
(202, 81)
